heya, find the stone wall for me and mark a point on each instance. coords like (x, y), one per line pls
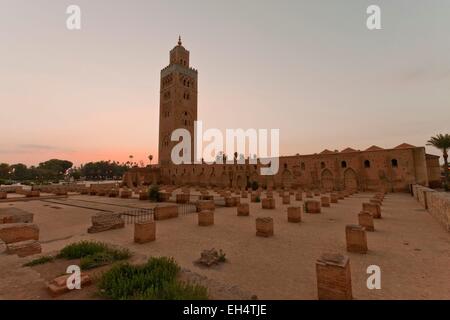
(390, 170)
(437, 203)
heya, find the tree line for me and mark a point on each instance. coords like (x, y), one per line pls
(55, 170)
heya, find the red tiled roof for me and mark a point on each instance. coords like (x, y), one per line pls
(374, 148)
(404, 146)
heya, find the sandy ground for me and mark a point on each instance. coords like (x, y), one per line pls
(411, 248)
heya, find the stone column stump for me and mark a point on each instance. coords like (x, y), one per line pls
(334, 280)
(365, 220)
(325, 201)
(356, 239)
(373, 209)
(243, 209)
(144, 231)
(264, 227)
(294, 214)
(312, 206)
(206, 218)
(286, 199)
(268, 203)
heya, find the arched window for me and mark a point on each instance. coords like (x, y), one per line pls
(343, 164)
(394, 163)
(366, 164)
(285, 165)
(302, 165)
(322, 165)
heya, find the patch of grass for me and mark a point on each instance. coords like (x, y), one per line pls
(82, 249)
(155, 280)
(93, 254)
(38, 261)
(102, 258)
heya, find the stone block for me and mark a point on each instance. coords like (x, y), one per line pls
(325, 201)
(230, 202)
(286, 199)
(143, 195)
(243, 209)
(334, 281)
(15, 215)
(264, 227)
(334, 198)
(312, 206)
(125, 194)
(106, 221)
(165, 196)
(3, 195)
(35, 193)
(365, 219)
(294, 214)
(373, 209)
(356, 239)
(268, 203)
(113, 193)
(182, 197)
(165, 212)
(16, 232)
(205, 205)
(24, 248)
(58, 286)
(254, 197)
(144, 231)
(206, 218)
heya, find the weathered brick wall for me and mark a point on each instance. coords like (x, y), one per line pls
(437, 203)
(439, 208)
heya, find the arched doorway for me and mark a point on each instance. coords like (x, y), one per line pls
(350, 181)
(286, 179)
(327, 180)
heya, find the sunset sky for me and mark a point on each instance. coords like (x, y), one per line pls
(310, 68)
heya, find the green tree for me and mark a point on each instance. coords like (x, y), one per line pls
(442, 142)
(4, 171)
(19, 172)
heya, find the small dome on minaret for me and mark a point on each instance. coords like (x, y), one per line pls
(179, 41)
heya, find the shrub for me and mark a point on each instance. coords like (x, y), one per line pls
(154, 280)
(39, 261)
(93, 254)
(258, 199)
(81, 249)
(153, 193)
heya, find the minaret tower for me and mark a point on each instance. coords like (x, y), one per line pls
(178, 101)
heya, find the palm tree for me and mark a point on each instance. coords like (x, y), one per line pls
(442, 142)
(150, 157)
